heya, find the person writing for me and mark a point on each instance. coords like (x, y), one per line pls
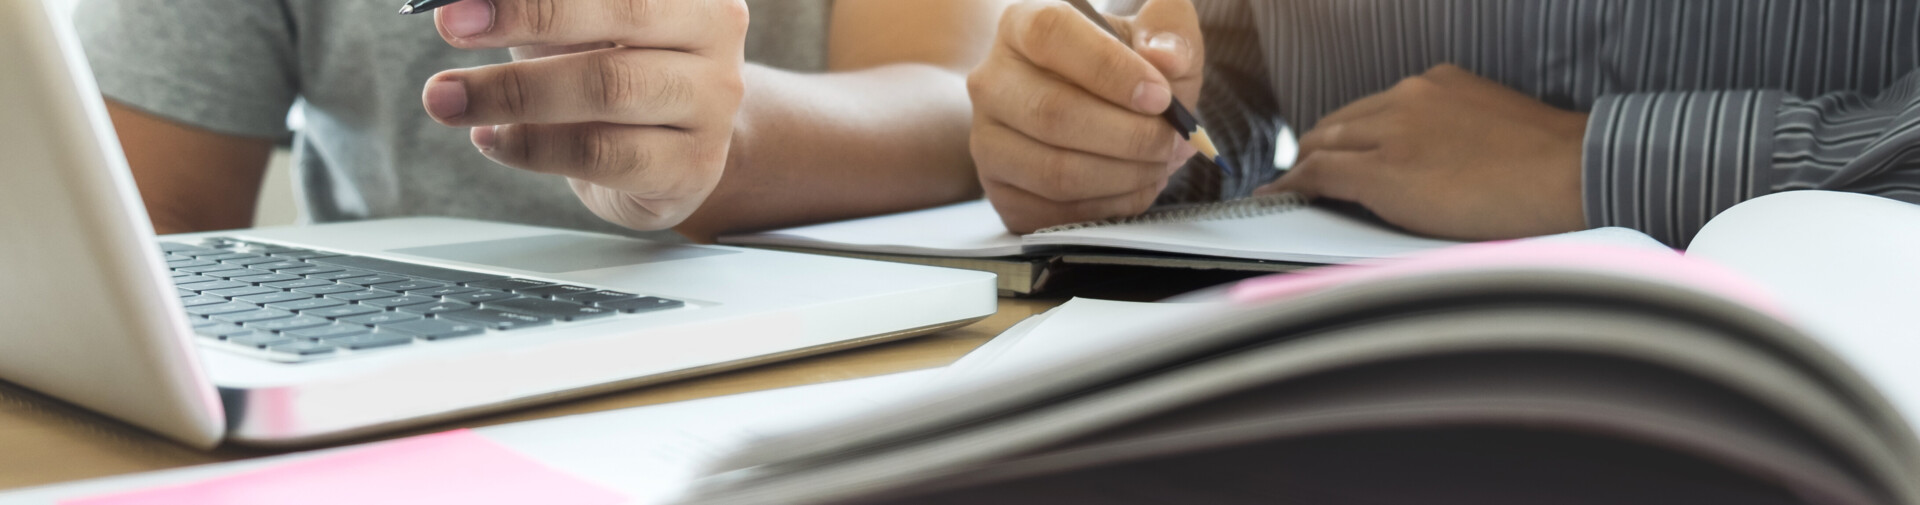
(659, 114)
(1469, 120)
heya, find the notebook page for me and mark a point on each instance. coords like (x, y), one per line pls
(963, 230)
(1847, 267)
(1304, 235)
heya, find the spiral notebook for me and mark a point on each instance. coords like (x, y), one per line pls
(1268, 233)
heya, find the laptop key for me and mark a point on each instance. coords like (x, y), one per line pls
(251, 316)
(198, 300)
(436, 308)
(346, 273)
(645, 304)
(595, 297)
(374, 280)
(289, 324)
(211, 285)
(228, 256)
(280, 265)
(547, 308)
(311, 303)
(397, 301)
(178, 247)
(313, 270)
(435, 329)
(482, 296)
(221, 330)
(363, 295)
(408, 269)
(185, 292)
(383, 317)
(253, 259)
(209, 268)
(263, 279)
(297, 284)
(303, 349)
(325, 332)
(496, 319)
(341, 311)
(224, 308)
(261, 340)
(274, 297)
(201, 322)
(506, 284)
(234, 273)
(557, 290)
(440, 291)
(411, 286)
(177, 264)
(302, 255)
(330, 289)
(239, 292)
(372, 341)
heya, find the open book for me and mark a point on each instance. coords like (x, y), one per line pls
(1773, 363)
(1262, 234)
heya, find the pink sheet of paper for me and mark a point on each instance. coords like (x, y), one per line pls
(456, 467)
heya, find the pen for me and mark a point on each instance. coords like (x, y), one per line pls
(419, 6)
(1177, 113)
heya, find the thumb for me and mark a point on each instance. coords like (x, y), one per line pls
(1167, 33)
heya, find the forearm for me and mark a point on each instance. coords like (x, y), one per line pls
(813, 148)
(191, 180)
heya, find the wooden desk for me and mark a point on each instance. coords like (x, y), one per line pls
(44, 441)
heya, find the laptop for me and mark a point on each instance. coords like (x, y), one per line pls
(312, 334)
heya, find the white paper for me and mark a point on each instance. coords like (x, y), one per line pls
(971, 230)
(1846, 265)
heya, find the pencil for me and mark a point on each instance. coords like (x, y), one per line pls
(420, 6)
(1176, 114)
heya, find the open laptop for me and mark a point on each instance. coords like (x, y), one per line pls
(310, 334)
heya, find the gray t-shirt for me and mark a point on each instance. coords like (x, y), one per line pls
(355, 69)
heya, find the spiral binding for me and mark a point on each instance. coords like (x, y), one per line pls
(1236, 209)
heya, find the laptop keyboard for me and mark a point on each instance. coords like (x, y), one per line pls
(290, 304)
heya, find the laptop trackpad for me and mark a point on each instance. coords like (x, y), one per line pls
(559, 253)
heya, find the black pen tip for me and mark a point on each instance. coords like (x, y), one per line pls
(406, 9)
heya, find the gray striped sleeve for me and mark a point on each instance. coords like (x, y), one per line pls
(1236, 105)
(1666, 162)
(1851, 142)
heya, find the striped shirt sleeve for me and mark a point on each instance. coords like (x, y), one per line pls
(1237, 106)
(1667, 162)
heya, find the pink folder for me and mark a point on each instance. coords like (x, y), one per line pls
(456, 467)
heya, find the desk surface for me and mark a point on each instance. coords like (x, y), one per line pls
(44, 441)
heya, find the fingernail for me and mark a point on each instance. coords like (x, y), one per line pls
(446, 99)
(468, 19)
(1170, 43)
(485, 138)
(1152, 97)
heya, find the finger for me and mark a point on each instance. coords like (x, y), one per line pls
(696, 26)
(628, 86)
(1055, 37)
(1355, 136)
(1340, 175)
(1057, 174)
(625, 209)
(648, 162)
(1024, 212)
(1167, 33)
(1370, 105)
(1039, 105)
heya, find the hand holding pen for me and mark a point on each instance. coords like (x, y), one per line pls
(1068, 116)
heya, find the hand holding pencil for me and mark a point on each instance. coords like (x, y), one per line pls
(1068, 118)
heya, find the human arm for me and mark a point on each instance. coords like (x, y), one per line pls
(1066, 122)
(195, 110)
(191, 179)
(1451, 154)
(800, 147)
(883, 131)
